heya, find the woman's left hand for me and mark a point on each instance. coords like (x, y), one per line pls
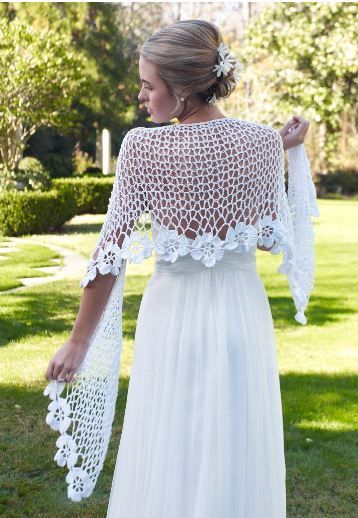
(294, 132)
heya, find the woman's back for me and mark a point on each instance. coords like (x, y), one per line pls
(207, 176)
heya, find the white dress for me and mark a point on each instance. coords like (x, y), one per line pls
(202, 435)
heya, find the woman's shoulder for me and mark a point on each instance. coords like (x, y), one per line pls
(252, 130)
(227, 121)
(257, 127)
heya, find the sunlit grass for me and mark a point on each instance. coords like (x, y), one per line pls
(23, 262)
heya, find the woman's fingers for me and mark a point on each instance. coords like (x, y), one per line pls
(70, 376)
(64, 374)
(49, 371)
(56, 371)
(299, 128)
(287, 127)
(66, 361)
(293, 127)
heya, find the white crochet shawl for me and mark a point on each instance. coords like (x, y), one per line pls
(221, 184)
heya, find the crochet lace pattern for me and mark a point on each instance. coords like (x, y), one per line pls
(198, 189)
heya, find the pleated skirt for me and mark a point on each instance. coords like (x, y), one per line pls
(202, 434)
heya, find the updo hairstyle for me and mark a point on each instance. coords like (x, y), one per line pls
(186, 53)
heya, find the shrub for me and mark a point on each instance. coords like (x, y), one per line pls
(93, 171)
(339, 182)
(34, 212)
(30, 175)
(58, 165)
(91, 195)
(82, 161)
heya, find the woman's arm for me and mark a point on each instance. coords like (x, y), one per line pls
(293, 133)
(94, 299)
(71, 354)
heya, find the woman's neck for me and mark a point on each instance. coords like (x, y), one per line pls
(200, 113)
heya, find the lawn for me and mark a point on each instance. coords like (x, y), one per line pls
(24, 260)
(317, 374)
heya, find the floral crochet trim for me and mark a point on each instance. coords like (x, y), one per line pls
(80, 484)
(207, 248)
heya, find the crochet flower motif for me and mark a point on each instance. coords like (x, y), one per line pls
(226, 63)
(54, 389)
(67, 453)
(137, 247)
(58, 418)
(80, 484)
(208, 249)
(268, 232)
(91, 273)
(241, 238)
(109, 258)
(170, 245)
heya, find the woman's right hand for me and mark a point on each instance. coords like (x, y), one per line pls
(66, 361)
(294, 131)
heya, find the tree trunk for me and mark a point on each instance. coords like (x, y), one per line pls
(344, 134)
(321, 151)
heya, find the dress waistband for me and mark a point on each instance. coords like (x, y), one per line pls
(231, 260)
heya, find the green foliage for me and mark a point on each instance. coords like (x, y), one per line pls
(341, 182)
(106, 37)
(92, 172)
(34, 212)
(311, 48)
(37, 212)
(30, 175)
(91, 195)
(58, 165)
(40, 78)
(82, 161)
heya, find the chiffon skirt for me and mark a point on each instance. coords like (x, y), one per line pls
(202, 434)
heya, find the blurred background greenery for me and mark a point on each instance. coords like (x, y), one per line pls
(71, 69)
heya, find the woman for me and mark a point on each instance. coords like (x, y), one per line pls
(202, 435)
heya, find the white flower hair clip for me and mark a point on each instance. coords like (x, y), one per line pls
(227, 62)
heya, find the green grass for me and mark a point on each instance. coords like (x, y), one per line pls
(317, 375)
(23, 263)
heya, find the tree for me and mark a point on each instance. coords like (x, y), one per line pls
(308, 51)
(106, 36)
(39, 81)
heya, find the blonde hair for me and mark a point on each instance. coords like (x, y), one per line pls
(186, 53)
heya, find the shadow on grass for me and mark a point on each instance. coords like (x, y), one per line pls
(53, 309)
(33, 485)
(80, 228)
(320, 438)
(320, 310)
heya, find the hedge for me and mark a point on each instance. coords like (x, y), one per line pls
(91, 194)
(345, 182)
(34, 212)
